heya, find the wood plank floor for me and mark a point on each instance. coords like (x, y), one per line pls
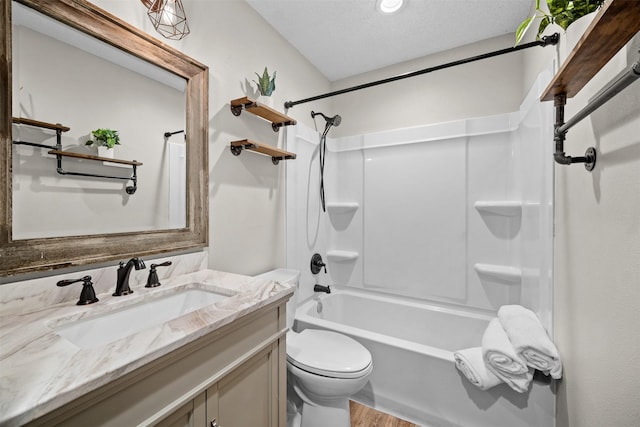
(363, 416)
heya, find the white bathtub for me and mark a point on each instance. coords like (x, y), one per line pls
(414, 376)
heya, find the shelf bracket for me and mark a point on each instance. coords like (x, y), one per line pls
(560, 128)
(559, 136)
(130, 189)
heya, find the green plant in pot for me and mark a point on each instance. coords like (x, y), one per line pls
(561, 12)
(266, 84)
(104, 139)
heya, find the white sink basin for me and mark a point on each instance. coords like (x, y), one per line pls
(109, 327)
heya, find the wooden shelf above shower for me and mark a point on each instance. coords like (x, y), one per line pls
(276, 118)
(615, 24)
(275, 153)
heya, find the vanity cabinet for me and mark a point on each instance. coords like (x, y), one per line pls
(245, 397)
(234, 376)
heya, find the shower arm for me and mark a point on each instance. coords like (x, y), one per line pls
(545, 41)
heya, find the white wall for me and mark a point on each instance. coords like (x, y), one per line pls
(597, 259)
(245, 193)
(482, 88)
(597, 253)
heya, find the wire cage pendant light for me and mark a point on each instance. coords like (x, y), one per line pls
(168, 18)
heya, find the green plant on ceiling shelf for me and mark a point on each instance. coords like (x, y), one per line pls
(266, 85)
(561, 12)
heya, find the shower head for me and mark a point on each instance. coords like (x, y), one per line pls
(331, 121)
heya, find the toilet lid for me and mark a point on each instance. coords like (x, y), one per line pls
(327, 353)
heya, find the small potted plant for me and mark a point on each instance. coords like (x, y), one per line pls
(561, 12)
(105, 140)
(266, 85)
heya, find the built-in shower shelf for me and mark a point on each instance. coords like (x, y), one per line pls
(499, 273)
(342, 256)
(342, 207)
(502, 208)
(276, 118)
(275, 153)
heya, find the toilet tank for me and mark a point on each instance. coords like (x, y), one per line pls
(284, 275)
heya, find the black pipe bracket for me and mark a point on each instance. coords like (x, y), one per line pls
(559, 136)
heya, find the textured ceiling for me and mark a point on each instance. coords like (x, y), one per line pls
(343, 38)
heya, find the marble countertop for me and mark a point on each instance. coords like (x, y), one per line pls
(41, 371)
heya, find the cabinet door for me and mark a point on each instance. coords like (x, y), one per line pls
(248, 395)
(191, 414)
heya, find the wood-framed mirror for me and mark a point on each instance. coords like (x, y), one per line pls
(26, 255)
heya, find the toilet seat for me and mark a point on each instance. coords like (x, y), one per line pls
(327, 353)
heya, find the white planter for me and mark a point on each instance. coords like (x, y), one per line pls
(265, 100)
(105, 152)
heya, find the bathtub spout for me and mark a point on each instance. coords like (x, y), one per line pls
(321, 288)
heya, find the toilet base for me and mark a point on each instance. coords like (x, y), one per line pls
(335, 415)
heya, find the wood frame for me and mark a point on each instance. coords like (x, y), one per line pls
(30, 255)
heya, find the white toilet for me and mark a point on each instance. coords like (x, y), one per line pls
(324, 367)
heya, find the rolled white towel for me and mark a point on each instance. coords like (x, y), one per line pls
(469, 362)
(530, 340)
(502, 360)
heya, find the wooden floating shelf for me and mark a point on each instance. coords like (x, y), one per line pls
(275, 153)
(614, 25)
(59, 153)
(36, 123)
(91, 157)
(276, 118)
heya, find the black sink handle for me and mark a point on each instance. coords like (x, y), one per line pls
(152, 280)
(88, 294)
(68, 282)
(164, 264)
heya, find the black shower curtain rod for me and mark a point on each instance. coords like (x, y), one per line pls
(545, 41)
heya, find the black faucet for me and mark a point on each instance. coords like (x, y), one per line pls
(317, 264)
(88, 294)
(122, 286)
(321, 288)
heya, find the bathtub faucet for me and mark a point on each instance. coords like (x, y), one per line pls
(321, 288)
(317, 264)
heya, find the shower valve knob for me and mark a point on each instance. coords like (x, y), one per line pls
(317, 264)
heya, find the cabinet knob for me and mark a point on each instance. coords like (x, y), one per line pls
(214, 423)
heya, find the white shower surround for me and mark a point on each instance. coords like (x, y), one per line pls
(455, 214)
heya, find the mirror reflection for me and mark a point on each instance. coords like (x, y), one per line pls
(63, 76)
